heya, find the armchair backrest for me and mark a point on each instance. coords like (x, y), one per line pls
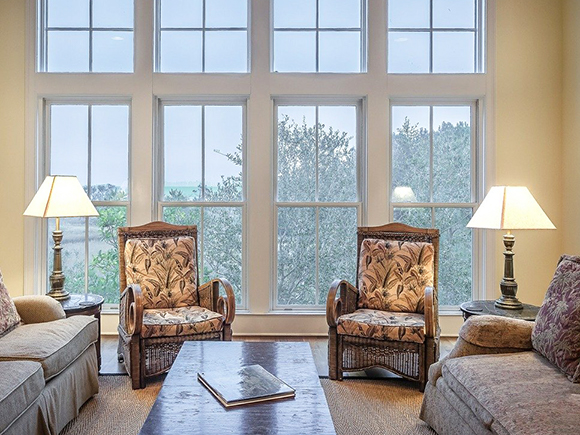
(162, 259)
(395, 264)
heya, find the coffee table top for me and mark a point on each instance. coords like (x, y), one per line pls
(185, 406)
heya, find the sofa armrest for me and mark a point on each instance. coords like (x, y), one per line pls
(38, 309)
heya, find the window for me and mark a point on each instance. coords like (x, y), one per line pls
(318, 200)
(86, 36)
(202, 36)
(434, 185)
(203, 182)
(435, 36)
(319, 36)
(91, 141)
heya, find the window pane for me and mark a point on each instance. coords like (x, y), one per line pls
(68, 51)
(68, 13)
(112, 51)
(410, 154)
(295, 51)
(337, 177)
(296, 153)
(453, 52)
(226, 51)
(73, 253)
(181, 13)
(408, 52)
(226, 13)
(451, 154)
(294, 13)
(409, 13)
(104, 252)
(337, 248)
(222, 246)
(110, 153)
(113, 13)
(182, 153)
(69, 136)
(223, 153)
(339, 52)
(181, 51)
(296, 255)
(182, 216)
(339, 13)
(455, 255)
(454, 13)
(417, 216)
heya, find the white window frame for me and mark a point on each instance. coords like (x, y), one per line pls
(359, 204)
(159, 174)
(477, 171)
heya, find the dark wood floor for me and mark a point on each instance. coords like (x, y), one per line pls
(110, 365)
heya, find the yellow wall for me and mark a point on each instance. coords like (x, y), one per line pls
(12, 95)
(571, 130)
(529, 130)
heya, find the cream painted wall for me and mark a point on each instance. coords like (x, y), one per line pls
(529, 130)
(12, 132)
(571, 129)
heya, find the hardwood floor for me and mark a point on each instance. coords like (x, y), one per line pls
(110, 365)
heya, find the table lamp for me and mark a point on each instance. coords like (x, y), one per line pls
(510, 208)
(60, 196)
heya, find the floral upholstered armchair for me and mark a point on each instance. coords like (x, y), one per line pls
(162, 304)
(391, 319)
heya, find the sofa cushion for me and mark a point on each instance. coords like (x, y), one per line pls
(383, 325)
(170, 322)
(20, 384)
(557, 327)
(393, 275)
(519, 393)
(165, 269)
(9, 317)
(54, 344)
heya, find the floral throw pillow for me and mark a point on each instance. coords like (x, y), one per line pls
(556, 334)
(393, 275)
(9, 317)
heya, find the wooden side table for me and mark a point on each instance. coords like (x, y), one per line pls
(86, 305)
(477, 308)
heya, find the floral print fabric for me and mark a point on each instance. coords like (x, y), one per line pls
(172, 322)
(393, 275)
(165, 269)
(383, 325)
(556, 334)
(9, 317)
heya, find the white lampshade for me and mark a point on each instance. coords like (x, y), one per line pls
(60, 196)
(403, 194)
(510, 208)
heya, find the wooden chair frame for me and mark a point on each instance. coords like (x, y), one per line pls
(145, 357)
(350, 353)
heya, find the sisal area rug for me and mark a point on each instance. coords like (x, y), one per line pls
(357, 406)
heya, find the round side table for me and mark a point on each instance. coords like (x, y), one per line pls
(478, 308)
(86, 305)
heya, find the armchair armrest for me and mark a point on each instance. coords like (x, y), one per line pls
(131, 310)
(38, 309)
(210, 298)
(346, 302)
(430, 321)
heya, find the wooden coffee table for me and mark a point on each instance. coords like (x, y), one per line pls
(184, 406)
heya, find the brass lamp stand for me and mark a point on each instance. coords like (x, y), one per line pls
(57, 290)
(508, 285)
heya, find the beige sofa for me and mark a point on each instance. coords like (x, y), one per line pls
(492, 382)
(48, 368)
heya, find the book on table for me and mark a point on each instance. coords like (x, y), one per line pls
(250, 384)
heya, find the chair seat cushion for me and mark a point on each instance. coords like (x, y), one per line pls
(20, 384)
(55, 345)
(383, 325)
(168, 322)
(516, 393)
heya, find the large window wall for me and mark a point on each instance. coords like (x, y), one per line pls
(276, 165)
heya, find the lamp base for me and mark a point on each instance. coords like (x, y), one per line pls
(58, 295)
(508, 303)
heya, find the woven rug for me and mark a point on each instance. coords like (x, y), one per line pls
(357, 406)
